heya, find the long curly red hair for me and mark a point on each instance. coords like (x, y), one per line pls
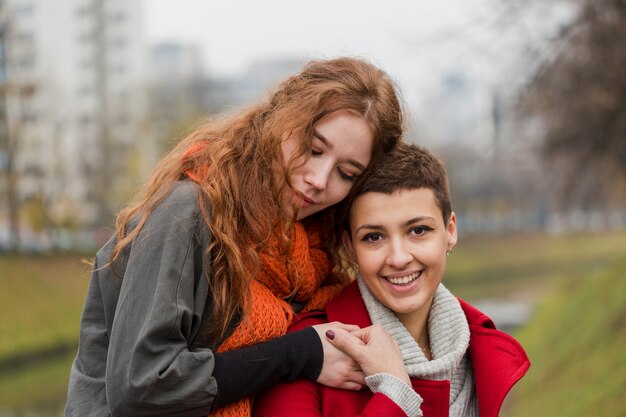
(243, 171)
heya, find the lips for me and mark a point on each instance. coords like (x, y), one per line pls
(404, 280)
(306, 201)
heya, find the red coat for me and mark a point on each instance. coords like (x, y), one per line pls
(498, 362)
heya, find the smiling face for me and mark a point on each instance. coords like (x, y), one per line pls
(399, 241)
(341, 150)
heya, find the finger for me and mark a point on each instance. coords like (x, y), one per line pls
(349, 335)
(364, 334)
(344, 326)
(352, 386)
(357, 377)
(345, 342)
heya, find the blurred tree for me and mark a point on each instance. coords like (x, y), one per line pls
(10, 134)
(578, 96)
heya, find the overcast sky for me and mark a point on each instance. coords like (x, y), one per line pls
(417, 42)
(393, 33)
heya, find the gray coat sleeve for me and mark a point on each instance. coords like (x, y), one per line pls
(134, 356)
(86, 390)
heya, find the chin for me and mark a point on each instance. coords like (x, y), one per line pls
(404, 308)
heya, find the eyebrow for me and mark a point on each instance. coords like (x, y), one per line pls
(405, 224)
(329, 145)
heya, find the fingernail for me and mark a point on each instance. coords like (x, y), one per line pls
(330, 334)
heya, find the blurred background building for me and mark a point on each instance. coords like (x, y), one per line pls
(523, 100)
(88, 104)
(74, 106)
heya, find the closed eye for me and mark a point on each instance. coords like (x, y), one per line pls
(346, 176)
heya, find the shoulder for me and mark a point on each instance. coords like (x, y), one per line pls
(475, 317)
(175, 224)
(178, 211)
(182, 199)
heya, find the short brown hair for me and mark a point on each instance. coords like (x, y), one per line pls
(407, 167)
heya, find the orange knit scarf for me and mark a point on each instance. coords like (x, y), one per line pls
(270, 315)
(306, 278)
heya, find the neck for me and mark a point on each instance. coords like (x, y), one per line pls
(416, 323)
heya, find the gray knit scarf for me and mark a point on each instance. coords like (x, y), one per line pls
(449, 339)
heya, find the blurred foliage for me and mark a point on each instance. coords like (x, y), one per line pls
(40, 304)
(35, 214)
(38, 389)
(576, 345)
(488, 266)
(578, 95)
(42, 298)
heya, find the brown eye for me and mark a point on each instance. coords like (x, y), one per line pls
(372, 237)
(419, 230)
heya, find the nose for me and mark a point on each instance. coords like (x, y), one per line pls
(399, 255)
(318, 175)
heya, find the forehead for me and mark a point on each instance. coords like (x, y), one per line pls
(346, 136)
(393, 208)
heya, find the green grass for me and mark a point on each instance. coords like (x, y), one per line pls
(41, 299)
(485, 267)
(37, 389)
(576, 342)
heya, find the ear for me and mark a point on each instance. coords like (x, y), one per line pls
(451, 230)
(347, 243)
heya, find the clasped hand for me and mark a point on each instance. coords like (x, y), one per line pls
(352, 353)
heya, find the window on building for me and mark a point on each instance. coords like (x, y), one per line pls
(29, 116)
(84, 120)
(117, 17)
(26, 62)
(118, 43)
(118, 69)
(84, 10)
(88, 64)
(25, 38)
(85, 91)
(87, 37)
(24, 8)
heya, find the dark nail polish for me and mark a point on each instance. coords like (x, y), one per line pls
(330, 334)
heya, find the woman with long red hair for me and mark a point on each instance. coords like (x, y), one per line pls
(189, 302)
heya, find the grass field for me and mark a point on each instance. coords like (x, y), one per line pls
(41, 301)
(576, 344)
(527, 265)
(41, 298)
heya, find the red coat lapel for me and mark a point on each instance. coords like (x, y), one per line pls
(498, 360)
(349, 307)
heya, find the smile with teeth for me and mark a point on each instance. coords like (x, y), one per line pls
(404, 280)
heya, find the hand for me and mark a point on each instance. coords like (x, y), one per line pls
(339, 369)
(373, 350)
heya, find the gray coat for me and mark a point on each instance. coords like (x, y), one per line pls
(137, 354)
(142, 348)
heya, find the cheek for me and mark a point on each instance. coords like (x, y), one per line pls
(370, 261)
(434, 258)
(339, 190)
(430, 255)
